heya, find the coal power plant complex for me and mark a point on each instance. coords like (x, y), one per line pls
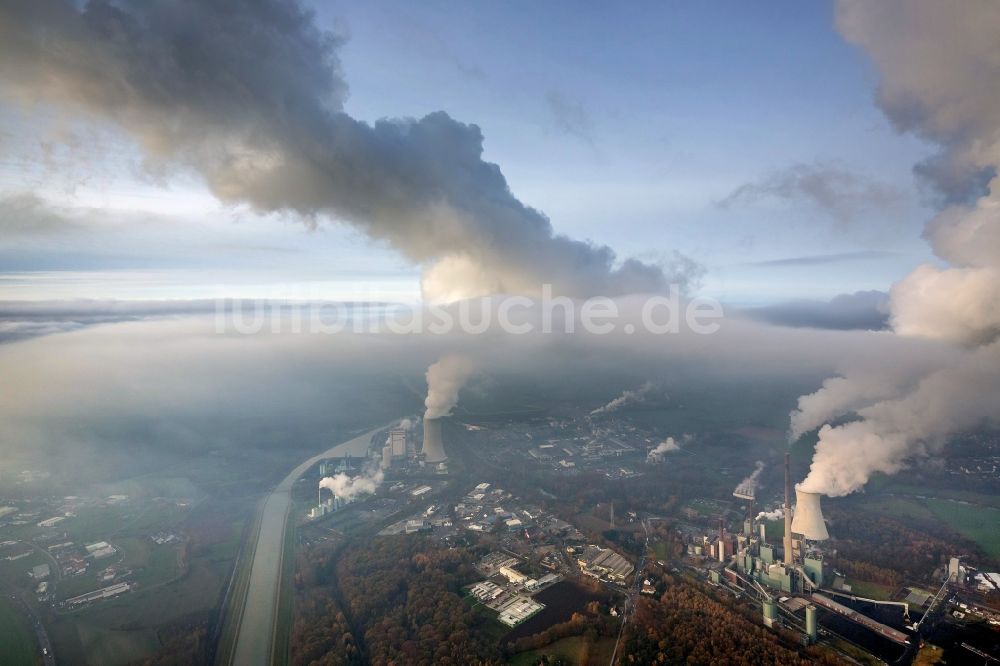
(794, 580)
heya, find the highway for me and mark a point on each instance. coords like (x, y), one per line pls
(258, 611)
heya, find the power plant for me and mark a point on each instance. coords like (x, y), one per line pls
(801, 567)
(433, 446)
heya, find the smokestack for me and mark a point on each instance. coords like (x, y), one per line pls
(788, 512)
(433, 446)
(809, 517)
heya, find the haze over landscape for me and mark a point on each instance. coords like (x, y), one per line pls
(356, 333)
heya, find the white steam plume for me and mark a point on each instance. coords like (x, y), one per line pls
(406, 424)
(933, 58)
(776, 514)
(748, 486)
(444, 380)
(917, 423)
(629, 397)
(669, 445)
(349, 487)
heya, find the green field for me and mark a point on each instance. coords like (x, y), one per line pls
(871, 590)
(17, 644)
(16, 572)
(977, 523)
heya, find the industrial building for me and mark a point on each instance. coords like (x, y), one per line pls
(100, 550)
(398, 442)
(513, 575)
(329, 505)
(604, 563)
(52, 522)
(103, 593)
(486, 591)
(518, 610)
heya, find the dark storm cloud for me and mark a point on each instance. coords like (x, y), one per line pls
(842, 194)
(863, 310)
(250, 96)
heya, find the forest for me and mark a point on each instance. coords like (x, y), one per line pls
(686, 625)
(389, 601)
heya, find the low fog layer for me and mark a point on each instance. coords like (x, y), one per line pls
(177, 385)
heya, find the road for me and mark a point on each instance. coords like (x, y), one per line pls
(258, 614)
(631, 594)
(21, 604)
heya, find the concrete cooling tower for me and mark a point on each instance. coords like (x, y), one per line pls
(433, 448)
(808, 520)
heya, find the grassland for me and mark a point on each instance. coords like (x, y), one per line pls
(17, 644)
(575, 650)
(871, 590)
(961, 512)
(978, 523)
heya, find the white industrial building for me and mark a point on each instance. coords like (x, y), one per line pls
(518, 610)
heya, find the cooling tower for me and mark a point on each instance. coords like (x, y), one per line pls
(433, 448)
(808, 520)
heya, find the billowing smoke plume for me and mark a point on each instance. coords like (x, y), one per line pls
(917, 423)
(668, 445)
(349, 487)
(406, 424)
(876, 378)
(776, 514)
(249, 96)
(748, 486)
(444, 380)
(629, 397)
(934, 58)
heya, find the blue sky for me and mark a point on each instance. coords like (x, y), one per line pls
(626, 126)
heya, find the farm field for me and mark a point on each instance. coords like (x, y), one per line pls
(17, 644)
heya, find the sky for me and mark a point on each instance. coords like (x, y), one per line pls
(745, 138)
(829, 172)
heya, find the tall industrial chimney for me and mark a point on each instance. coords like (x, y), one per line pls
(433, 447)
(788, 513)
(809, 517)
